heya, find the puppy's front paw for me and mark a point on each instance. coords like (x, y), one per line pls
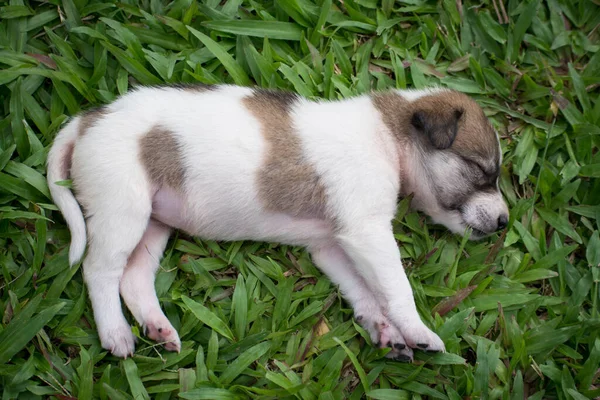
(418, 336)
(120, 341)
(384, 334)
(390, 336)
(161, 331)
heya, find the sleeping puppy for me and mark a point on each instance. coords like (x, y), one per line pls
(236, 163)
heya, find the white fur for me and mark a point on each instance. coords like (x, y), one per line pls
(223, 149)
(414, 94)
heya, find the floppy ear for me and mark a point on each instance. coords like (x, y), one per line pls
(438, 126)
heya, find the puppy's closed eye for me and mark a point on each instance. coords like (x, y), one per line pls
(482, 171)
(485, 179)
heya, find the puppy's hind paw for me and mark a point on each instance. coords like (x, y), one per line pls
(164, 333)
(119, 341)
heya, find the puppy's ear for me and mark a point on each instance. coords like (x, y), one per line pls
(439, 126)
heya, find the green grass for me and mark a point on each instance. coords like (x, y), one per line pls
(518, 313)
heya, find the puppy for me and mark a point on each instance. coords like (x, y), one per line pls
(236, 163)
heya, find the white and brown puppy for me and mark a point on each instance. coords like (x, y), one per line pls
(236, 163)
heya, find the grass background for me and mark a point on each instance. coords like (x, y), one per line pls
(518, 312)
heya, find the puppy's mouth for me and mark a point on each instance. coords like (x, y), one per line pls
(476, 233)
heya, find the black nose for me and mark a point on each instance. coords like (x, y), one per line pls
(502, 221)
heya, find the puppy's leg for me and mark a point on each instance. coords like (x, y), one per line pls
(113, 234)
(336, 264)
(137, 286)
(372, 247)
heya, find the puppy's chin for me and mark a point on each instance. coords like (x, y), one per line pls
(455, 222)
(451, 220)
(476, 234)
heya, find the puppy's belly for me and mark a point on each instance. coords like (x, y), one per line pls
(228, 220)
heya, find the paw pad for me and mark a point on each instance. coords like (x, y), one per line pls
(402, 358)
(167, 336)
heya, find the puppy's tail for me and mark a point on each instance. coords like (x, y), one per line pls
(59, 167)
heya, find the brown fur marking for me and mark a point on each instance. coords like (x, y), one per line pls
(89, 118)
(160, 154)
(475, 136)
(67, 159)
(393, 109)
(287, 182)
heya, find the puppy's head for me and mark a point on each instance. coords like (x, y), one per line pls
(455, 172)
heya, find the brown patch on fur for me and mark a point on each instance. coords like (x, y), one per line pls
(160, 154)
(67, 162)
(475, 135)
(393, 109)
(287, 182)
(67, 159)
(89, 118)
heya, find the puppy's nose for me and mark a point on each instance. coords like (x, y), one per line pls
(502, 221)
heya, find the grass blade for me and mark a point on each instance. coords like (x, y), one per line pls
(357, 366)
(243, 361)
(207, 317)
(237, 73)
(20, 332)
(262, 29)
(135, 383)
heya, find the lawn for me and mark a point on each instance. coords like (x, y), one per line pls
(518, 311)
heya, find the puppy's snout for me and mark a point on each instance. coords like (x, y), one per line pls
(502, 221)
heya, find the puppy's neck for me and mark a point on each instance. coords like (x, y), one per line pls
(396, 111)
(412, 179)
